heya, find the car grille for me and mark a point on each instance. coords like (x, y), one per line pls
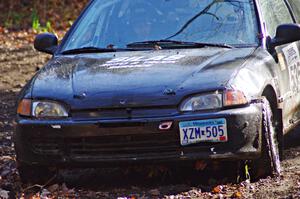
(121, 145)
(119, 113)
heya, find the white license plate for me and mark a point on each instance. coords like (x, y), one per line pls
(213, 130)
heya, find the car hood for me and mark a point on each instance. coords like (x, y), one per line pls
(136, 79)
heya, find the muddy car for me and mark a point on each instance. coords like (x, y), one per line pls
(148, 82)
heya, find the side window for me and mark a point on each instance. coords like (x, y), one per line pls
(275, 13)
(295, 4)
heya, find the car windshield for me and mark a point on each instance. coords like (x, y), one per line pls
(117, 23)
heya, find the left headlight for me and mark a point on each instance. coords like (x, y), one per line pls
(202, 102)
(42, 109)
(228, 98)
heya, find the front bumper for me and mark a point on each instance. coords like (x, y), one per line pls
(113, 142)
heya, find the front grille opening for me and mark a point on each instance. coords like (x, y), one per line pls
(117, 125)
(108, 145)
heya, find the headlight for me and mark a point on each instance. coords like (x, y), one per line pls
(214, 101)
(42, 109)
(202, 102)
(48, 109)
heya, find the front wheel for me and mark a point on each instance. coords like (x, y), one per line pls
(269, 162)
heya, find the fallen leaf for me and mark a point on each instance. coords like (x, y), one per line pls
(237, 195)
(217, 189)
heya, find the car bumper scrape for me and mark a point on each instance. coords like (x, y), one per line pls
(134, 140)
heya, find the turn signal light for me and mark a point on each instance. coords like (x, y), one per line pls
(234, 97)
(24, 107)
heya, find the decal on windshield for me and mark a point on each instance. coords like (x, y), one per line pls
(141, 61)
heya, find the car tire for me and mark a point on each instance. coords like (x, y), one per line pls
(36, 174)
(269, 161)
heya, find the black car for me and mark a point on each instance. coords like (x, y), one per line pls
(138, 82)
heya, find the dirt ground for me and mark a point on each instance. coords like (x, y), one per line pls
(17, 65)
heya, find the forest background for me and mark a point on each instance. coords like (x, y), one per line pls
(26, 14)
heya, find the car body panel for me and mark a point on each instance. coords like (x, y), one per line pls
(143, 81)
(118, 97)
(77, 143)
(289, 61)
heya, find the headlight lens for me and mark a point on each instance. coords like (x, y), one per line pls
(44, 109)
(214, 101)
(202, 102)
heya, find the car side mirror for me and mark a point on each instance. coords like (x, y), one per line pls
(46, 42)
(286, 33)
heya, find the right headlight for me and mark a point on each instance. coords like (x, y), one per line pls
(42, 109)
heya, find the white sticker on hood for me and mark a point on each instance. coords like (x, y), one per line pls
(141, 61)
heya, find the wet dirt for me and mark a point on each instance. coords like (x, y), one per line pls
(17, 66)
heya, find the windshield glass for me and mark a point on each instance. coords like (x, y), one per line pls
(116, 23)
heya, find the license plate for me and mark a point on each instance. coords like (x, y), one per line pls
(213, 130)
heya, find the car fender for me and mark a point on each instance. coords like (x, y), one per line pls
(256, 74)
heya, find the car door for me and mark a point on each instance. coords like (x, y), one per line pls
(275, 13)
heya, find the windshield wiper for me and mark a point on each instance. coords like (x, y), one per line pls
(94, 50)
(154, 42)
(174, 43)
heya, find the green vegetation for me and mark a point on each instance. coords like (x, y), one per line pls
(36, 26)
(40, 16)
(35, 21)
